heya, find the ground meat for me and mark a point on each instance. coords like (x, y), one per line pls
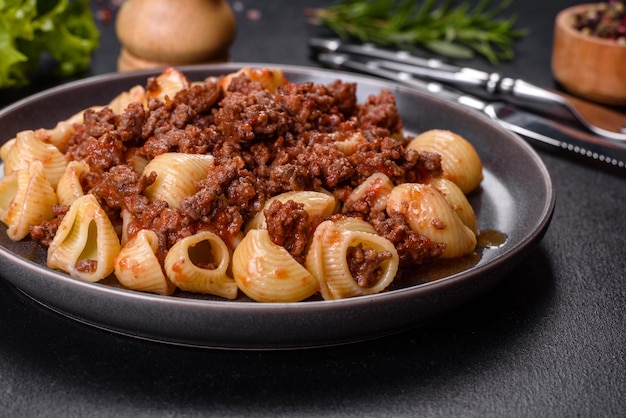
(98, 123)
(100, 153)
(379, 115)
(200, 98)
(241, 83)
(157, 118)
(168, 223)
(243, 117)
(289, 226)
(114, 187)
(45, 231)
(130, 124)
(314, 106)
(86, 266)
(328, 164)
(365, 264)
(202, 204)
(412, 247)
(264, 143)
(381, 155)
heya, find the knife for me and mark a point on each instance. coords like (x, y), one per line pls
(536, 129)
(478, 82)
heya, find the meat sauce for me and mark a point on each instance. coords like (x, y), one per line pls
(264, 143)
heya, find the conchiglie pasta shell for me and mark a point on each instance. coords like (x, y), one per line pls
(8, 191)
(177, 175)
(428, 213)
(269, 78)
(323, 234)
(168, 83)
(348, 223)
(84, 235)
(29, 147)
(457, 201)
(266, 272)
(60, 135)
(127, 218)
(349, 145)
(122, 100)
(138, 268)
(138, 162)
(327, 260)
(459, 160)
(69, 188)
(374, 190)
(183, 269)
(317, 205)
(26, 199)
(5, 148)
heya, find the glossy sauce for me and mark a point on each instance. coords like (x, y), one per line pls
(486, 240)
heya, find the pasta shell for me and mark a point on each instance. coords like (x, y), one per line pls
(4, 150)
(329, 260)
(26, 199)
(428, 213)
(138, 162)
(138, 268)
(317, 205)
(168, 83)
(127, 218)
(266, 272)
(459, 160)
(69, 188)
(8, 191)
(29, 146)
(348, 223)
(60, 134)
(323, 233)
(457, 201)
(374, 190)
(177, 175)
(349, 145)
(85, 244)
(199, 263)
(269, 78)
(122, 100)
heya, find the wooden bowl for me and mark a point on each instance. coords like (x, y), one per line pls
(586, 65)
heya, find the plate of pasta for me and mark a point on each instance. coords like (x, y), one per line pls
(254, 206)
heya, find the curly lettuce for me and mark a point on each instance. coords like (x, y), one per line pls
(63, 29)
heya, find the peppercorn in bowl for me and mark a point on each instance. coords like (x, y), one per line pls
(589, 51)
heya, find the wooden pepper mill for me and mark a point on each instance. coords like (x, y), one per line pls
(159, 33)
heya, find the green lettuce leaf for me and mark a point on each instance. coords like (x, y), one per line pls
(29, 29)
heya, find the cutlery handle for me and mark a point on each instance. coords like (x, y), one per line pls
(371, 51)
(464, 77)
(523, 90)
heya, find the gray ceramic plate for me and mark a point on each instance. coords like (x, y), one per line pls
(516, 199)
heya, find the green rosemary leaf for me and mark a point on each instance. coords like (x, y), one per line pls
(447, 27)
(450, 49)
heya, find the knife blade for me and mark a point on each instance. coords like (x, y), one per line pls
(532, 127)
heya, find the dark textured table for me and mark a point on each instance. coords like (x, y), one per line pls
(550, 340)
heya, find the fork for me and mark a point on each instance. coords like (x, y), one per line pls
(491, 83)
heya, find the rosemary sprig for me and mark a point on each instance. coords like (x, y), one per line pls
(449, 29)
